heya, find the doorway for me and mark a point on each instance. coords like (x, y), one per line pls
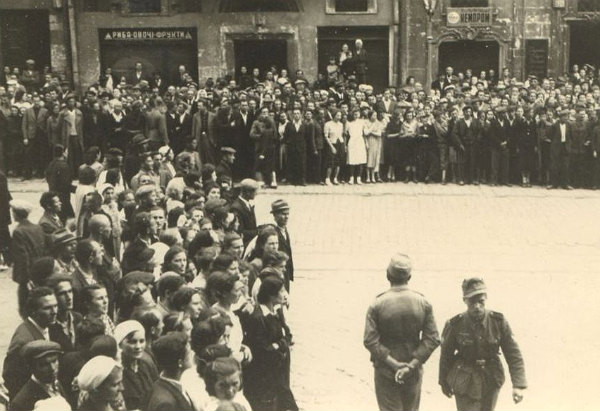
(25, 34)
(261, 54)
(585, 44)
(469, 54)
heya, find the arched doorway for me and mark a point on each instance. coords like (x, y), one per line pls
(477, 55)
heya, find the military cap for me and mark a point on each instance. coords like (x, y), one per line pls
(299, 81)
(249, 184)
(279, 205)
(21, 205)
(399, 268)
(472, 287)
(34, 350)
(228, 150)
(260, 84)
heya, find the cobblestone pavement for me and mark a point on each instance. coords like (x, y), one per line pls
(537, 249)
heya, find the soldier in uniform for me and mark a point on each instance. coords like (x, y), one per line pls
(400, 334)
(470, 367)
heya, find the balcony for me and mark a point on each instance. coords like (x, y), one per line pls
(470, 16)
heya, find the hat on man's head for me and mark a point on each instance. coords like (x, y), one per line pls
(228, 150)
(135, 277)
(139, 139)
(279, 205)
(63, 236)
(41, 269)
(249, 184)
(115, 151)
(145, 189)
(472, 287)
(34, 350)
(399, 268)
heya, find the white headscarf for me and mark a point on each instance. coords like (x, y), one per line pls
(122, 330)
(94, 372)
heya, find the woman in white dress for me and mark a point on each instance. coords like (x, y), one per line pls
(357, 149)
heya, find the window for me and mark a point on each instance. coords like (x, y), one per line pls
(351, 5)
(228, 6)
(588, 5)
(145, 6)
(188, 6)
(469, 3)
(96, 5)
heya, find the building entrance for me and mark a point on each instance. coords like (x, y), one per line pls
(24, 34)
(585, 44)
(261, 54)
(469, 54)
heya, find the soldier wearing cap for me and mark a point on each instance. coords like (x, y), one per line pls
(400, 333)
(243, 208)
(42, 357)
(470, 367)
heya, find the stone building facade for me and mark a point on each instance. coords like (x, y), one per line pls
(213, 38)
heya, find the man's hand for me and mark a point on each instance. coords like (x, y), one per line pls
(517, 395)
(333, 151)
(447, 390)
(401, 374)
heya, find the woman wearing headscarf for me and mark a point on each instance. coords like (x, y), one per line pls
(139, 371)
(100, 382)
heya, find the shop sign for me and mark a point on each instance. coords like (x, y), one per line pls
(147, 34)
(469, 16)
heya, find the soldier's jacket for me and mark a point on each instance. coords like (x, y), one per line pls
(400, 323)
(470, 355)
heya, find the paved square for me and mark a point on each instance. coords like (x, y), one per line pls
(538, 251)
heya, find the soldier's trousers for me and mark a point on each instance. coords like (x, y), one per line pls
(392, 396)
(486, 403)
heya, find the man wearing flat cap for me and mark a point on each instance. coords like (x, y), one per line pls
(243, 208)
(42, 356)
(470, 366)
(281, 214)
(400, 333)
(224, 168)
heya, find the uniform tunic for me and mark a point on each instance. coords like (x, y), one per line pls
(470, 363)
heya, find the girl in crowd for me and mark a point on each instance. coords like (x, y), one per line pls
(95, 303)
(373, 132)
(101, 384)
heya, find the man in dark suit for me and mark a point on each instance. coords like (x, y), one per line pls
(40, 314)
(294, 137)
(203, 130)
(244, 145)
(560, 150)
(138, 75)
(42, 357)
(281, 214)
(60, 179)
(35, 138)
(29, 242)
(224, 168)
(50, 220)
(170, 352)
(467, 135)
(243, 208)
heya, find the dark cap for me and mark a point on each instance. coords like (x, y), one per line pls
(472, 287)
(279, 205)
(39, 348)
(139, 139)
(41, 269)
(399, 268)
(135, 277)
(63, 236)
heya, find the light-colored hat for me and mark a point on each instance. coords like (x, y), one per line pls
(95, 371)
(122, 330)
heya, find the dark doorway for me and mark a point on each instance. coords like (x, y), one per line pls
(476, 55)
(164, 59)
(375, 42)
(261, 54)
(25, 34)
(585, 44)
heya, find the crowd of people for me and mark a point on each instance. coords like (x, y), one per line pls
(145, 301)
